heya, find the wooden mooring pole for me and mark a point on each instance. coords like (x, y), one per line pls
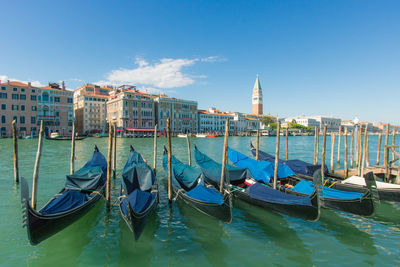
(189, 152)
(114, 150)
(332, 152)
(378, 155)
(36, 168)
(386, 155)
(72, 164)
(169, 161)
(364, 150)
(346, 168)
(15, 143)
(323, 155)
(351, 149)
(278, 129)
(359, 149)
(316, 144)
(155, 149)
(367, 152)
(287, 144)
(257, 143)
(393, 141)
(224, 156)
(109, 159)
(338, 148)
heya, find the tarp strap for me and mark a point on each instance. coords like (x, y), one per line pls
(334, 183)
(177, 193)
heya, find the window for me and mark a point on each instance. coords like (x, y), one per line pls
(3, 119)
(22, 97)
(57, 114)
(22, 107)
(22, 89)
(45, 97)
(57, 99)
(3, 88)
(33, 108)
(22, 119)
(70, 100)
(15, 96)
(4, 95)
(33, 97)
(33, 119)
(15, 118)
(3, 107)
(15, 89)
(143, 105)
(33, 90)
(14, 107)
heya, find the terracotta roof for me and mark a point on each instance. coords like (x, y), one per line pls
(15, 83)
(218, 114)
(55, 89)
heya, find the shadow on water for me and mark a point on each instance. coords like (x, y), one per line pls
(65, 247)
(388, 213)
(281, 239)
(352, 233)
(208, 232)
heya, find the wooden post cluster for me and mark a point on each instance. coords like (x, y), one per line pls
(364, 149)
(287, 144)
(15, 143)
(379, 149)
(169, 161)
(224, 156)
(316, 144)
(189, 153)
(36, 168)
(332, 152)
(155, 149)
(351, 149)
(114, 151)
(346, 168)
(257, 143)
(278, 129)
(338, 149)
(323, 155)
(109, 159)
(72, 164)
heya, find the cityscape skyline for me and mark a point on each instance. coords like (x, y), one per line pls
(312, 59)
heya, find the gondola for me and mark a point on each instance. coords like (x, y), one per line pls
(254, 190)
(82, 190)
(140, 188)
(188, 184)
(357, 202)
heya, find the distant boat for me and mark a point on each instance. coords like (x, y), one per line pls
(181, 135)
(215, 134)
(57, 136)
(201, 135)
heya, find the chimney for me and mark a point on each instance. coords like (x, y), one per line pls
(8, 82)
(63, 85)
(29, 84)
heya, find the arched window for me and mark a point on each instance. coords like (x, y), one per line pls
(45, 97)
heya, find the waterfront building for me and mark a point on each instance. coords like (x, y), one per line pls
(257, 98)
(132, 111)
(305, 121)
(18, 101)
(182, 114)
(253, 124)
(213, 120)
(90, 108)
(55, 108)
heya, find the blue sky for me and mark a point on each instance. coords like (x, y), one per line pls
(335, 58)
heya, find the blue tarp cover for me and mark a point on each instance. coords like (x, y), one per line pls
(212, 169)
(307, 187)
(298, 166)
(137, 174)
(261, 170)
(138, 200)
(265, 193)
(183, 175)
(205, 194)
(70, 199)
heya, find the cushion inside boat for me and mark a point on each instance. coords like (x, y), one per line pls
(138, 200)
(206, 194)
(265, 193)
(70, 199)
(361, 181)
(307, 187)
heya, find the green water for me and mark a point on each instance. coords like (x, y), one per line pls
(181, 236)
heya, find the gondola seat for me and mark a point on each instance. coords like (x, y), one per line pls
(206, 194)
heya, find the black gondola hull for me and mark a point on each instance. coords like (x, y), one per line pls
(40, 227)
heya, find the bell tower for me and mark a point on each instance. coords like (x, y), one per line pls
(257, 99)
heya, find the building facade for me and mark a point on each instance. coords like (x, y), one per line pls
(55, 108)
(305, 121)
(182, 113)
(131, 111)
(90, 108)
(257, 98)
(18, 101)
(213, 120)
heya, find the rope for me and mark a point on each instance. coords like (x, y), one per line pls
(334, 183)
(177, 194)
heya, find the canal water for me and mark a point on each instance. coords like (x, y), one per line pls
(181, 236)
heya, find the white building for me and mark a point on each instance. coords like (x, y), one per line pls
(213, 120)
(332, 124)
(305, 121)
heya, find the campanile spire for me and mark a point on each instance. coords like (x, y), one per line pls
(257, 98)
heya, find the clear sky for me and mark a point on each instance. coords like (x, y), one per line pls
(335, 58)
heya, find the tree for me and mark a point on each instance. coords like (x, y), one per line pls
(268, 120)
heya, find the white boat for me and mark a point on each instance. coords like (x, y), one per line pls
(182, 135)
(361, 181)
(201, 135)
